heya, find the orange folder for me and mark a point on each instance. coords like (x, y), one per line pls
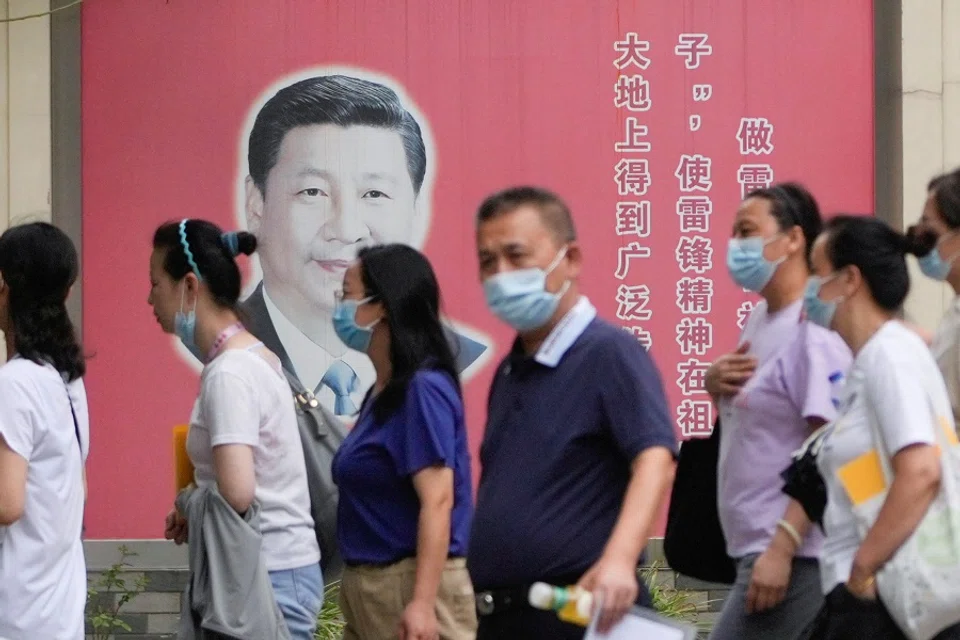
(183, 468)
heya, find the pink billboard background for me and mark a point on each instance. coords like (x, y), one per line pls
(650, 118)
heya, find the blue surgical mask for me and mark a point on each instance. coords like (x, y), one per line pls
(934, 266)
(346, 327)
(747, 265)
(819, 311)
(185, 327)
(520, 297)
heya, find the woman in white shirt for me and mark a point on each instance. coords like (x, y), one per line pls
(938, 242)
(860, 283)
(243, 431)
(44, 439)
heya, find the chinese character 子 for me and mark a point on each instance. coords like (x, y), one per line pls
(633, 218)
(694, 212)
(702, 92)
(693, 172)
(632, 302)
(694, 254)
(632, 177)
(695, 418)
(692, 376)
(631, 50)
(695, 336)
(743, 312)
(754, 176)
(628, 253)
(755, 136)
(642, 335)
(634, 142)
(632, 92)
(694, 295)
(692, 46)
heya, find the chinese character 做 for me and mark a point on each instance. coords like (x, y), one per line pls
(755, 136)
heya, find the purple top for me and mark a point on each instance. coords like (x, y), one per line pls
(800, 368)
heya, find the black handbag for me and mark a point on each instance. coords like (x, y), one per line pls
(694, 544)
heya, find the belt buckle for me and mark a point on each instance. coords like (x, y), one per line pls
(485, 603)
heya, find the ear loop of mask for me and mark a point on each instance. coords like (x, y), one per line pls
(553, 265)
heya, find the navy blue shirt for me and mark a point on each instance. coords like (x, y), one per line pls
(378, 509)
(557, 452)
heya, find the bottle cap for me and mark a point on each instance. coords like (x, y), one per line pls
(541, 596)
(585, 605)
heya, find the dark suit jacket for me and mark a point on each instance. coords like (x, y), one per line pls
(257, 320)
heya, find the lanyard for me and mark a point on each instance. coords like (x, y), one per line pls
(225, 335)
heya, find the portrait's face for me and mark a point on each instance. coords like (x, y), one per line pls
(332, 191)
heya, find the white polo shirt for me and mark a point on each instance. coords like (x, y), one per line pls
(894, 382)
(43, 579)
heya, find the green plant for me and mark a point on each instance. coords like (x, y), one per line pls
(330, 622)
(104, 615)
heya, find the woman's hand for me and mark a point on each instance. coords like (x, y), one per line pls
(419, 621)
(730, 372)
(770, 579)
(175, 527)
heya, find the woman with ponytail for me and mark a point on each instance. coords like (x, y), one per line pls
(44, 439)
(243, 439)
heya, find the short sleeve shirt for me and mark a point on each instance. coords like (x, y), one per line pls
(799, 372)
(43, 581)
(379, 510)
(946, 351)
(563, 429)
(895, 384)
(245, 400)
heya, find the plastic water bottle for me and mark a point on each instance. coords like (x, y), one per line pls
(572, 603)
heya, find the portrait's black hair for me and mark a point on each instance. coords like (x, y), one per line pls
(340, 100)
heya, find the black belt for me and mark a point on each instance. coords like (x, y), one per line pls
(503, 599)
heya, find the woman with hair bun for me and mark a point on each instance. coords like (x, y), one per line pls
(243, 437)
(936, 241)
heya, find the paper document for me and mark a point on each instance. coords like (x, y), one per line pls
(643, 624)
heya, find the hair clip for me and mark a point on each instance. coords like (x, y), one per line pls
(231, 240)
(186, 248)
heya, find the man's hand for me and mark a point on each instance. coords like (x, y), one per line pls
(419, 622)
(614, 582)
(175, 527)
(730, 372)
(771, 576)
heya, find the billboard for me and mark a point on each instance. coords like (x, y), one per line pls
(651, 118)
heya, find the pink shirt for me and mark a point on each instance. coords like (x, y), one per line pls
(800, 368)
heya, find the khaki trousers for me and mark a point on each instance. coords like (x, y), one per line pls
(373, 599)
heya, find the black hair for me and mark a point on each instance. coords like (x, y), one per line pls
(211, 250)
(554, 212)
(878, 251)
(402, 280)
(340, 100)
(945, 189)
(39, 264)
(792, 205)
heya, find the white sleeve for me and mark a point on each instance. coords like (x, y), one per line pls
(17, 419)
(229, 409)
(901, 405)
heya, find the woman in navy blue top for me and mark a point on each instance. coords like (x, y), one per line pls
(404, 470)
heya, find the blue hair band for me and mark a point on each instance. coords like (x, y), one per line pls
(186, 248)
(231, 240)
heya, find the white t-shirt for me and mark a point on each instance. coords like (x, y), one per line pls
(946, 350)
(43, 579)
(894, 381)
(245, 400)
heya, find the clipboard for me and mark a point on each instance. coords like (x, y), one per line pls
(643, 624)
